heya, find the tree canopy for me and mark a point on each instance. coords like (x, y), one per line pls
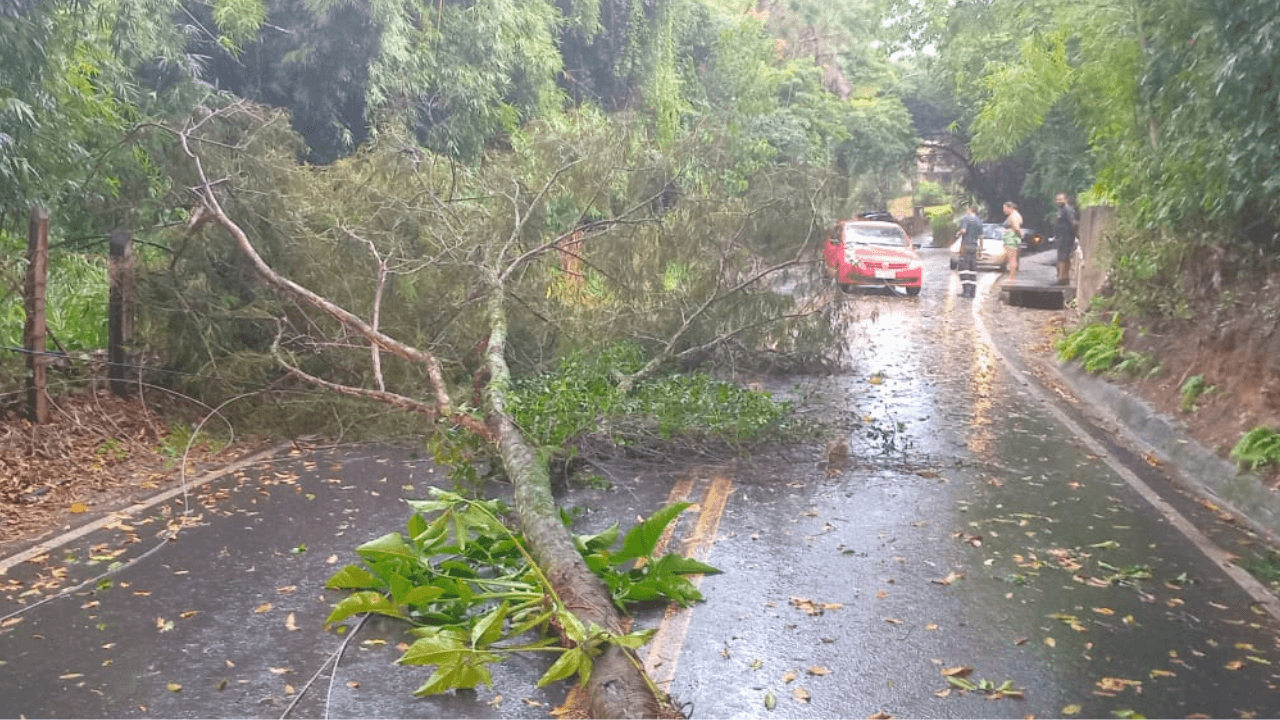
(1165, 108)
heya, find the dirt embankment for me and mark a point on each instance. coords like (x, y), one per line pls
(1230, 335)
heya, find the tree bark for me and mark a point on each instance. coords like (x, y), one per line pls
(618, 687)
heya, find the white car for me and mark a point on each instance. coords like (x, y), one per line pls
(991, 249)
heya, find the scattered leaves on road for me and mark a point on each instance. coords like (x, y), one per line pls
(812, 607)
(1110, 686)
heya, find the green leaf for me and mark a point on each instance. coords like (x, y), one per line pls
(588, 544)
(643, 538)
(680, 565)
(633, 640)
(457, 665)
(416, 526)
(572, 626)
(570, 661)
(488, 628)
(679, 589)
(437, 647)
(421, 595)
(962, 683)
(529, 624)
(354, 577)
(391, 545)
(433, 535)
(363, 602)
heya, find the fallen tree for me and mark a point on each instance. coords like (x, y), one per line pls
(707, 292)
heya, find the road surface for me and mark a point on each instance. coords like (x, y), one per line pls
(987, 550)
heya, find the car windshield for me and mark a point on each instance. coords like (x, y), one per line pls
(872, 235)
(991, 230)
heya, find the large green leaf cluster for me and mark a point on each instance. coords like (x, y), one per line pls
(474, 596)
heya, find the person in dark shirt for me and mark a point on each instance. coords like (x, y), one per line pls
(970, 235)
(1065, 228)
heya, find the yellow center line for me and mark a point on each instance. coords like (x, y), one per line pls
(679, 493)
(664, 651)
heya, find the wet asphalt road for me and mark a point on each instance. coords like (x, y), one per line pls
(986, 541)
(972, 533)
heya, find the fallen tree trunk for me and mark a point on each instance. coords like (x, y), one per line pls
(618, 686)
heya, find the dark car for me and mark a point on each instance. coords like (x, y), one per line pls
(878, 216)
(1034, 241)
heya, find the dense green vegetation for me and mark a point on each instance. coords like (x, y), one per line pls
(711, 122)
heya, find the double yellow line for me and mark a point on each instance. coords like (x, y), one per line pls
(664, 650)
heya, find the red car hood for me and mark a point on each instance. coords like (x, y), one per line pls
(878, 253)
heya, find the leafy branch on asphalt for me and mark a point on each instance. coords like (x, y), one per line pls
(469, 586)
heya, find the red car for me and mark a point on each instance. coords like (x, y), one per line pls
(877, 254)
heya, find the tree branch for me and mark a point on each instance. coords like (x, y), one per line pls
(207, 195)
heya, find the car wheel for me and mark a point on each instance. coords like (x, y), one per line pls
(844, 288)
(913, 291)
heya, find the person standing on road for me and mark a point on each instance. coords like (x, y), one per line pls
(970, 235)
(1012, 236)
(1065, 229)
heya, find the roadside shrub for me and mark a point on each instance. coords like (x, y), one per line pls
(1097, 345)
(930, 193)
(75, 302)
(1191, 390)
(1136, 365)
(1260, 446)
(942, 225)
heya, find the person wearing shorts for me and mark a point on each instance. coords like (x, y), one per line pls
(1012, 236)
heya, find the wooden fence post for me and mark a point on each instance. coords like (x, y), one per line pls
(120, 311)
(34, 331)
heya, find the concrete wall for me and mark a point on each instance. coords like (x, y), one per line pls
(1091, 272)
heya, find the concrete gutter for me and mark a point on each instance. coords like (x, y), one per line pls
(1198, 468)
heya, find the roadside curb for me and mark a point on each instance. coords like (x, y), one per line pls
(1198, 468)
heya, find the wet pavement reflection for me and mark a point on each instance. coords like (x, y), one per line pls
(975, 544)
